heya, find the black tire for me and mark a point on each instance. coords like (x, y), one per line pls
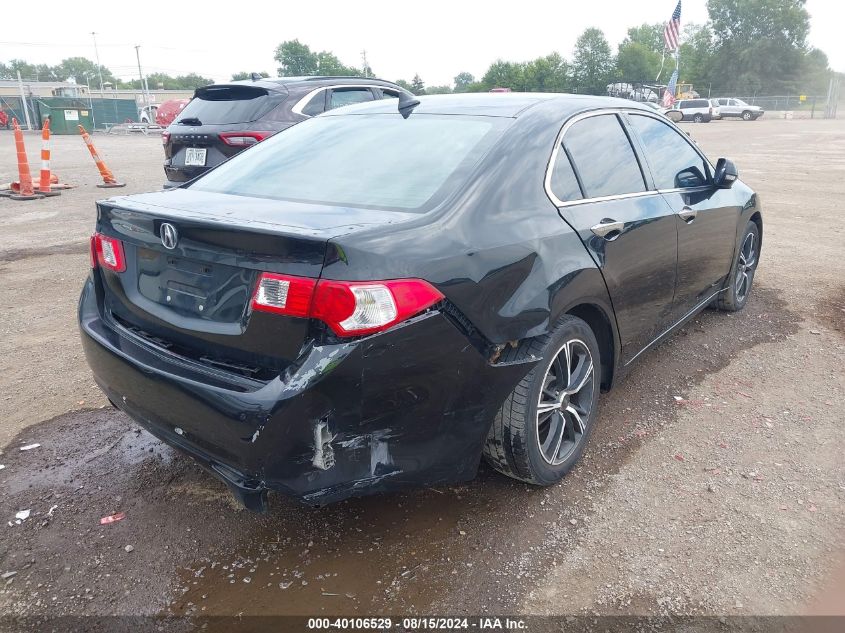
(513, 445)
(747, 116)
(735, 295)
(698, 118)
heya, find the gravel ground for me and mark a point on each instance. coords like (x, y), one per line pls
(714, 483)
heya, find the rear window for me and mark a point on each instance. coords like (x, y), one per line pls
(218, 105)
(378, 161)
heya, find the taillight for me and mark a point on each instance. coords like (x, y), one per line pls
(349, 308)
(242, 139)
(107, 252)
(284, 294)
(165, 138)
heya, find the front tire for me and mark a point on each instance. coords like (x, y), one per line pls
(544, 424)
(747, 116)
(738, 287)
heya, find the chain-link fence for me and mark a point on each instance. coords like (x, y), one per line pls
(812, 103)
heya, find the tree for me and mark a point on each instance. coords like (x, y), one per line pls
(417, 85)
(546, 74)
(404, 84)
(462, 81)
(760, 45)
(438, 90)
(502, 74)
(592, 63)
(14, 66)
(193, 80)
(636, 62)
(81, 70)
(329, 64)
(696, 57)
(816, 71)
(648, 35)
(246, 75)
(296, 59)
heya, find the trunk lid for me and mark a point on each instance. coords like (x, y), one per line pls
(194, 299)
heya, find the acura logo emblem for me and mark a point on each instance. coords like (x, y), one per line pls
(169, 236)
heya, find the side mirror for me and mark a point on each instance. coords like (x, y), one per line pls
(676, 116)
(726, 174)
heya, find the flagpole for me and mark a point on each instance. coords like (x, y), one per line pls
(662, 62)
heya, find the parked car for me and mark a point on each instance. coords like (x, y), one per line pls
(374, 298)
(714, 105)
(698, 110)
(147, 114)
(169, 110)
(223, 119)
(731, 107)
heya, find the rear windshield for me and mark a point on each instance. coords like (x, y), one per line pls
(698, 103)
(217, 105)
(378, 161)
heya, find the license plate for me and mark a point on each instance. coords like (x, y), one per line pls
(195, 156)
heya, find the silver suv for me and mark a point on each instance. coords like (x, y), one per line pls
(698, 110)
(732, 107)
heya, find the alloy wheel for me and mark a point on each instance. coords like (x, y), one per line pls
(745, 269)
(566, 400)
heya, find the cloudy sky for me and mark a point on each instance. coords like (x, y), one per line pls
(434, 38)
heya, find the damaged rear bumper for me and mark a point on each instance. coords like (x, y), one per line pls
(408, 407)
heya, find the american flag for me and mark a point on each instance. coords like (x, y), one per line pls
(673, 29)
(669, 94)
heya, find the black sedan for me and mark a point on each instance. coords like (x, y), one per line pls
(382, 295)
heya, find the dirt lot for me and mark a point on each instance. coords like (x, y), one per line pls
(729, 500)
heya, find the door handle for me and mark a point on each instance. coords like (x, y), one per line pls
(608, 229)
(687, 214)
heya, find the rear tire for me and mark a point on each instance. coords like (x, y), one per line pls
(544, 424)
(738, 287)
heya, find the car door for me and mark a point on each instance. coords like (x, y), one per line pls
(706, 216)
(734, 109)
(600, 190)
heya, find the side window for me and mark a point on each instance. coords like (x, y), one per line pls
(563, 182)
(346, 96)
(387, 93)
(316, 105)
(674, 163)
(723, 102)
(603, 157)
(733, 102)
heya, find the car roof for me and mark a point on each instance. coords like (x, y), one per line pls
(280, 83)
(511, 104)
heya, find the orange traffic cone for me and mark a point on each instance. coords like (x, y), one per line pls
(108, 178)
(44, 184)
(26, 191)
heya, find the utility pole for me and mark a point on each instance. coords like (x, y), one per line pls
(141, 74)
(23, 103)
(366, 67)
(99, 67)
